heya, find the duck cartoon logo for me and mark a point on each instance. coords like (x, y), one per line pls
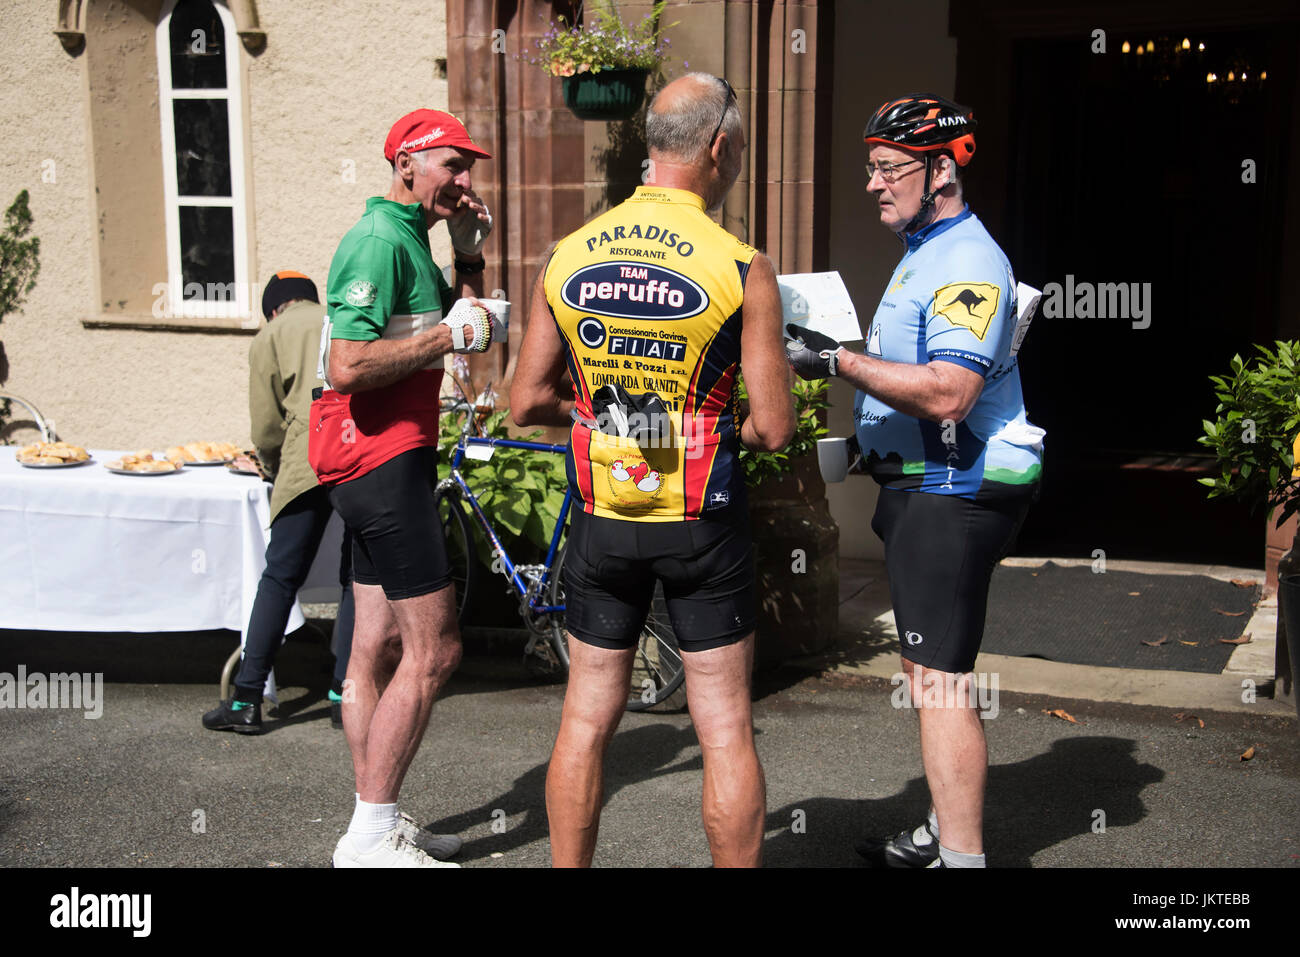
(633, 483)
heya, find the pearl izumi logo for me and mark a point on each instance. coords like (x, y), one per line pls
(83, 692)
(914, 638)
(76, 910)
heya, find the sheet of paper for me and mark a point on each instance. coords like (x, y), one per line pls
(819, 301)
(1027, 298)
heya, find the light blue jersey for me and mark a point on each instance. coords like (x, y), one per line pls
(952, 298)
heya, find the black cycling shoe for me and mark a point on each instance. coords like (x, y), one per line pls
(225, 718)
(900, 850)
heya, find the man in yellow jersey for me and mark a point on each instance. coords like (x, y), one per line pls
(653, 306)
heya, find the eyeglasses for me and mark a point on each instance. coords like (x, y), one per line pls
(731, 98)
(888, 171)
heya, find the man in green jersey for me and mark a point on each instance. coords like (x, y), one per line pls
(374, 435)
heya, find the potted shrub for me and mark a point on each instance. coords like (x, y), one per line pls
(19, 266)
(605, 64)
(796, 542)
(1255, 440)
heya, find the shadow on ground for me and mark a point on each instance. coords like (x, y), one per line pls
(635, 755)
(1029, 806)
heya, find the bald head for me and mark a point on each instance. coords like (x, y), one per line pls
(683, 115)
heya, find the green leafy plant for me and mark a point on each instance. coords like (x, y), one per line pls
(521, 492)
(19, 265)
(810, 400)
(1258, 418)
(605, 44)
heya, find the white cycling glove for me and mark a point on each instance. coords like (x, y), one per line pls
(465, 313)
(468, 232)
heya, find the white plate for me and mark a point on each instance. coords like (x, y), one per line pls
(210, 462)
(130, 472)
(61, 465)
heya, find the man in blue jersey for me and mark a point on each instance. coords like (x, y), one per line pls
(941, 422)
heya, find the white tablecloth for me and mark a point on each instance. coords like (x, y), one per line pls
(84, 549)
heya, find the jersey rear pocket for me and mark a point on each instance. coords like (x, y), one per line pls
(627, 478)
(332, 447)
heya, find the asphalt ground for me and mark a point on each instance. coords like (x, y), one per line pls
(145, 786)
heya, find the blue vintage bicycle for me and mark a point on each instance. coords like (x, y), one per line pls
(657, 671)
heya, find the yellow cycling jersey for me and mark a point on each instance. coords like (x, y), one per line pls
(647, 297)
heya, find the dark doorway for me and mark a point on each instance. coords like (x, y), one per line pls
(1126, 169)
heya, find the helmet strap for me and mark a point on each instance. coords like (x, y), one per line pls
(922, 216)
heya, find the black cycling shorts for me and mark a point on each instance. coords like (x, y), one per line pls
(611, 566)
(940, 552)
(397, 540)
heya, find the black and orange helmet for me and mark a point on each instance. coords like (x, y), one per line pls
(924, 123)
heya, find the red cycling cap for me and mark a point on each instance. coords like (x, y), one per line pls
(426, 130)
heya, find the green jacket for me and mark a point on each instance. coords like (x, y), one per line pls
(281, 374)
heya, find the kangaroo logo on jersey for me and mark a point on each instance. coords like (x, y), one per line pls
(633, 291)
(633, 483)
(971, 305)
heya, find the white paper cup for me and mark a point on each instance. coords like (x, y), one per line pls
(833, 459)
(500, 309)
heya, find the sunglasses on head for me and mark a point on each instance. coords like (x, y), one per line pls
(726, 104)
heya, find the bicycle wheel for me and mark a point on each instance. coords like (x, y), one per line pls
(657, 669)
(458, 533)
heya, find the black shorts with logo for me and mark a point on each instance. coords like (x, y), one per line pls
(611, 566)
(940, 552)
(397, 539)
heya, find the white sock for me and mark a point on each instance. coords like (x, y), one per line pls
(958, 859)
(934, 823)
(370, 822)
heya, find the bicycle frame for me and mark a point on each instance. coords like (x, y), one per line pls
(498, 549)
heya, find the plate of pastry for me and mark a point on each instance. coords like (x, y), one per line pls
(52, 455)
(246, 463)
(203, 453)
(142, 463)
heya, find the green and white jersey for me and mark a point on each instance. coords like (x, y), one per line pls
(383, 283)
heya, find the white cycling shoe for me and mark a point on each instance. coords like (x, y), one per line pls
(393, 851)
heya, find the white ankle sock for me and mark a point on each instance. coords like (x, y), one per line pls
(958, 859)
(934, 823)
(370, 822)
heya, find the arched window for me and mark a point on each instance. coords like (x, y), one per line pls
(203, 153)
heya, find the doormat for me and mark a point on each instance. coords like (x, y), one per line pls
(1116, 619)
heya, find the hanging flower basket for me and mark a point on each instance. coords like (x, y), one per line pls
(605, 63)
(607, 95)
